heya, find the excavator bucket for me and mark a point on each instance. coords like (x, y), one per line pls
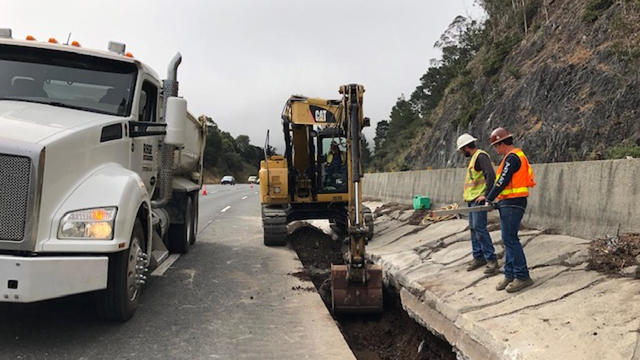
(353, 296)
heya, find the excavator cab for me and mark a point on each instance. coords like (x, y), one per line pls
(332, 164)
(320, 177)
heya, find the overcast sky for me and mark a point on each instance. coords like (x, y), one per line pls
(243, 58)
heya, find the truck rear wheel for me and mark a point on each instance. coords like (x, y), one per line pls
(125, 278)
(274, 224)
(180, 234)
(196, 212)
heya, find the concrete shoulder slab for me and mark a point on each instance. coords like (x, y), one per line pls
(569, 313)
(600, 323)
(553, 249)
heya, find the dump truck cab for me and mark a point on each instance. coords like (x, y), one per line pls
(93, 179)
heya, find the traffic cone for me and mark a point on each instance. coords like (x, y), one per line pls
(204, 190)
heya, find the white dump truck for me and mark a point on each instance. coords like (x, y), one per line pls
(100, 172)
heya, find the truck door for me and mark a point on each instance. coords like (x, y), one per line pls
(145, 133)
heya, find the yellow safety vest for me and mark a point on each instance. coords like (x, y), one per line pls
(475, 184)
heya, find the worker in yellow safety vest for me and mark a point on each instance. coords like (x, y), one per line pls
(479, 172)
(511, 189)
(335, 166)
(339, 155)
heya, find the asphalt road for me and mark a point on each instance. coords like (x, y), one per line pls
(228, 298)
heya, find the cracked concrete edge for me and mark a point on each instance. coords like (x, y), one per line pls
(636, 350)
(461, 339)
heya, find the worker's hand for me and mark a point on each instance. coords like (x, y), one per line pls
(481, 199)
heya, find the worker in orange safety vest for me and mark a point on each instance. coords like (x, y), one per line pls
(511, 189)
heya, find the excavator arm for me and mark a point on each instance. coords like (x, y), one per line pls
(356, 286)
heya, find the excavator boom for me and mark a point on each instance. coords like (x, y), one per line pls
(357, 285)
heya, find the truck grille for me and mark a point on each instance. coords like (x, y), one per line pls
(15, 177)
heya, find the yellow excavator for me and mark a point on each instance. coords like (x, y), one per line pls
(320, 177)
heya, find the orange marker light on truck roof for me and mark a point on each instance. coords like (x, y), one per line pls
(75, 43)
(128, 55)
(53, 40)
(30, 38)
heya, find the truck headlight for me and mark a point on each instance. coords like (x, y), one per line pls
(88, 224)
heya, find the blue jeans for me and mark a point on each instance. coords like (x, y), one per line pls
(481, 243)
(515, 262)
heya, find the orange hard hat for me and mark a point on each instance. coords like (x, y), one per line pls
(498, 135)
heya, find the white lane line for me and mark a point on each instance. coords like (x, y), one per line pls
(225, 209)
(160, 270)
(244, 197)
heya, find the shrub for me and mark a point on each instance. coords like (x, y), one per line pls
(595, 8)
(622, 150)
(494, 59)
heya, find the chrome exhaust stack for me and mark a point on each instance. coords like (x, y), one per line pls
(169, 89)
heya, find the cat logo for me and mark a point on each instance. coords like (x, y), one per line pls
(321, 116)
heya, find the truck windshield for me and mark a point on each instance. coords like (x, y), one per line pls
(66, 79)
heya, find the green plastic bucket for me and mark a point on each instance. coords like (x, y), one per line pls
(421, 202)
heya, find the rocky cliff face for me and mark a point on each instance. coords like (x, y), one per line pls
(569, 90)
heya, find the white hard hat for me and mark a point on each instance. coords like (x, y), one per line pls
(464, 139)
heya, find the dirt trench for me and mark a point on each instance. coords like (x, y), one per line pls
(388, 336)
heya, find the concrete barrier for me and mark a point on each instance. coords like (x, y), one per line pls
(587, 199)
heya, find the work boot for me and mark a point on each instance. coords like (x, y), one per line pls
(518, 285)
(476, 263)
(491, 268)
(503, 284)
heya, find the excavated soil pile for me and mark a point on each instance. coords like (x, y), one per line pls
(389, 336)
(615, 253)
(388, 208)
(417, 216)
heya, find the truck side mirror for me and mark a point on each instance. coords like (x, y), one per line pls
(175, 117)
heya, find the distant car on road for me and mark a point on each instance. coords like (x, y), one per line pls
(252, 179)
(228, 180)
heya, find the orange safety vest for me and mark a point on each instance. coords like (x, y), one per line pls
(521, 181)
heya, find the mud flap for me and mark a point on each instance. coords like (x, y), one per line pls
(354, 295)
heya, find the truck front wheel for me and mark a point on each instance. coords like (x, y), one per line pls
(124, 283)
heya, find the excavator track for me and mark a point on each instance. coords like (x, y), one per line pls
(274, 224)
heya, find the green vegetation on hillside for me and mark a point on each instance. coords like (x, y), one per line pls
(623, 150)
(560, 74)
(595, 8)
(459, 43)
(225, 155)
